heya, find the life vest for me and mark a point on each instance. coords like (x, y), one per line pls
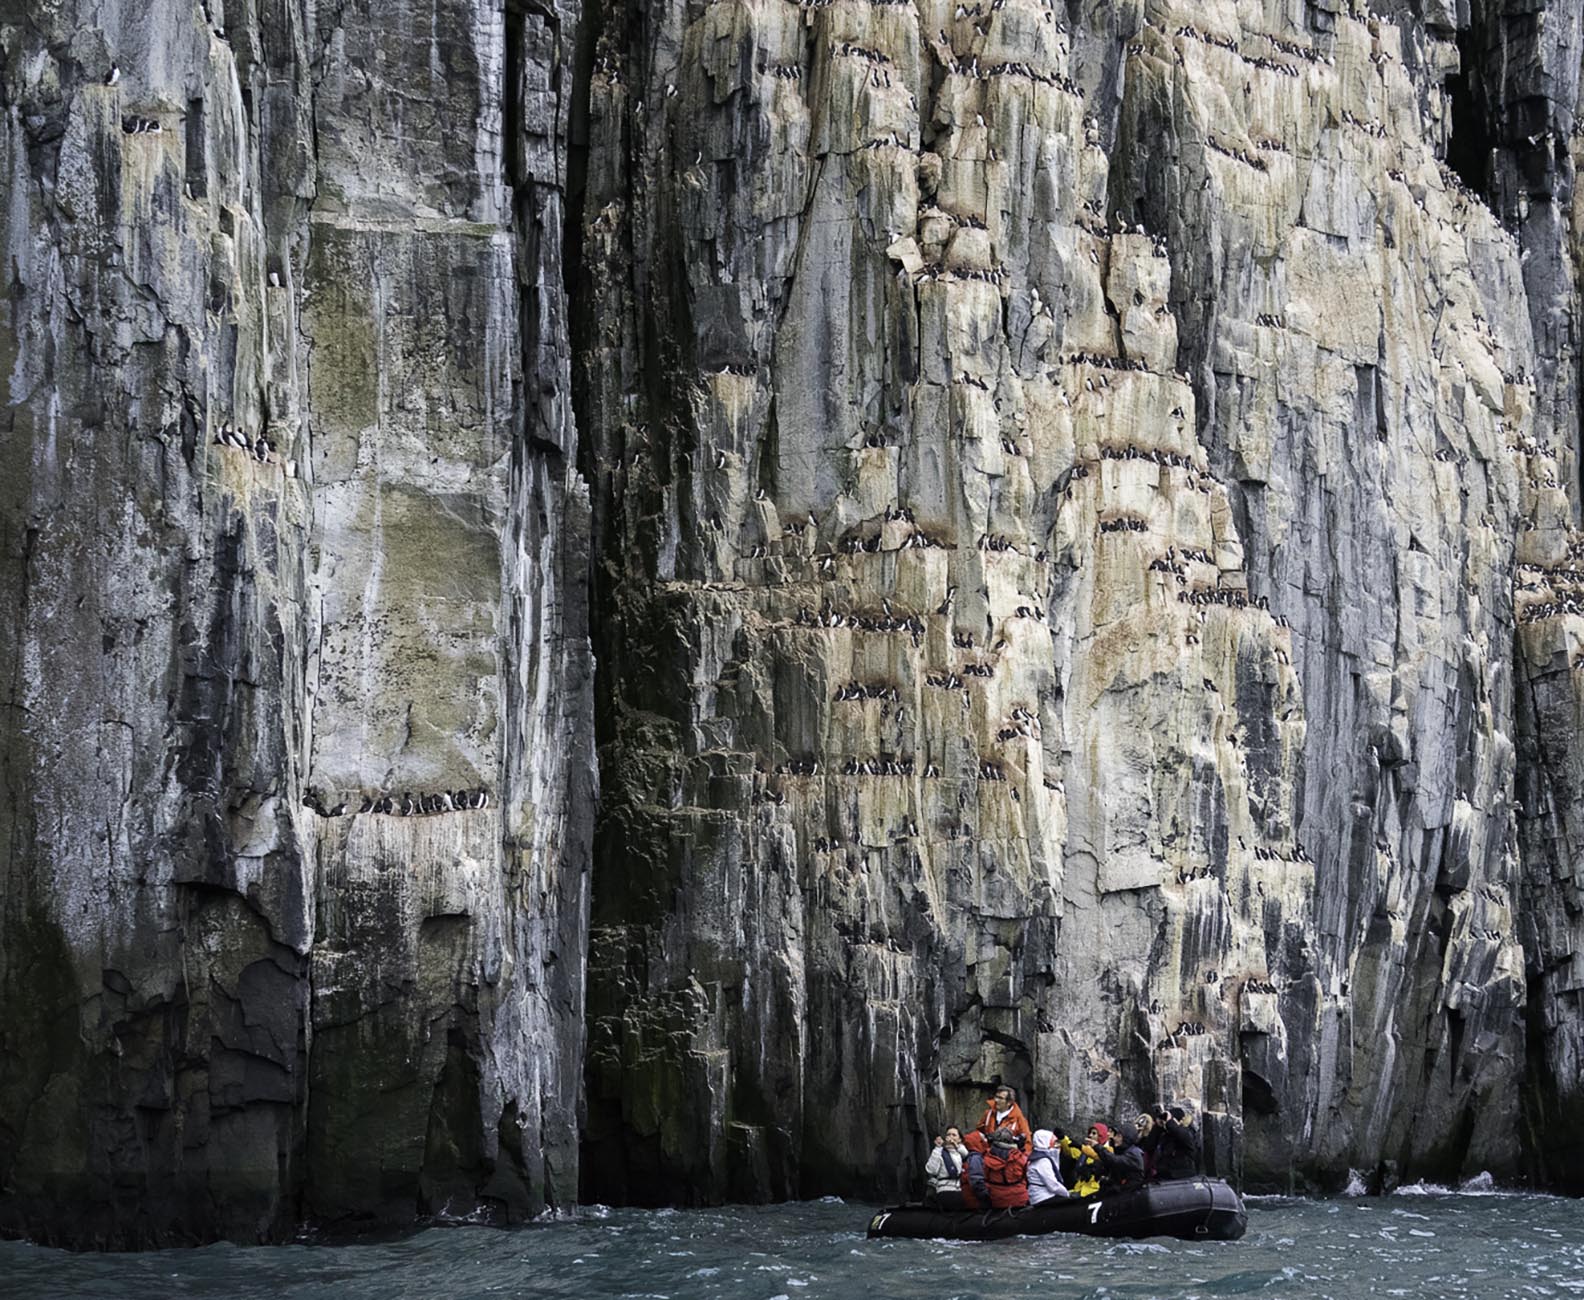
(1086, 1177)
(951, 1163)
(1014, 1118)
(1004, 1175)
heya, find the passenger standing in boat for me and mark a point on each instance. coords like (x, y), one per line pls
(1044, 1169)
(944, 1170)
(1001, 1110)
(1180, 1152)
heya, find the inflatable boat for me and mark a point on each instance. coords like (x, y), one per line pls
(1195, 1209)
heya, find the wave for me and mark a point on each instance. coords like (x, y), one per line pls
(1481, 1184)
(478, 1216)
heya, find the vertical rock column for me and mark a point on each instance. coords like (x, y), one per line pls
(1550, 680)
(1523, 106)
(930, 648)
(449, 672)
(156, 904)
(1549, 673)
(1345, 304)
(291, 525)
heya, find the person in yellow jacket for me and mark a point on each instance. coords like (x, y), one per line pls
(1086, 1175)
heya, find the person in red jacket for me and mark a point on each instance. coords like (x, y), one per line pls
(993, 1177)
(1002, 1109)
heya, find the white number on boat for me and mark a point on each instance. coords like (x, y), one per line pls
(879, 1222)
(1094, 1212)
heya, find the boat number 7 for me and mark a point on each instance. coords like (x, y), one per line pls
(1094, 1212)
(879, 1222)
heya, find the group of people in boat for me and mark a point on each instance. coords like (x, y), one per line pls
(1003, 1163)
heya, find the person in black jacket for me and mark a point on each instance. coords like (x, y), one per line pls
(1121, 1161)
(1149, 1142)
(1178, 1153)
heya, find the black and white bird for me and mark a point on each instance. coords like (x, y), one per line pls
(115, 75)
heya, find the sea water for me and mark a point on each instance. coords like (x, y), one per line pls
(1418, 1244)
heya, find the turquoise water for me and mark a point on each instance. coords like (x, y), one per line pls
(1414, 1244)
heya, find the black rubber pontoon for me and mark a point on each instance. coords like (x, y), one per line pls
(1195, 1209)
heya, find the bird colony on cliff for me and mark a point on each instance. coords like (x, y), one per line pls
(636, 601)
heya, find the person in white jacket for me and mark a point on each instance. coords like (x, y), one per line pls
(1044, 1168)
(943, 1172)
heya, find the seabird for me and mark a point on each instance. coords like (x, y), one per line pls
(274, 279)
(115, 75)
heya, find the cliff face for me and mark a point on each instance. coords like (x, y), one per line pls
(1074, 509)
(223, 1006)
(1062, 471)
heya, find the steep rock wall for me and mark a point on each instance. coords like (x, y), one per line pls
(229, 1000)
(1080, 542)
(1064, 467)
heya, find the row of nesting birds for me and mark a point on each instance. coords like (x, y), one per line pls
(261, 449)
(402, 805)
(987, 770)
